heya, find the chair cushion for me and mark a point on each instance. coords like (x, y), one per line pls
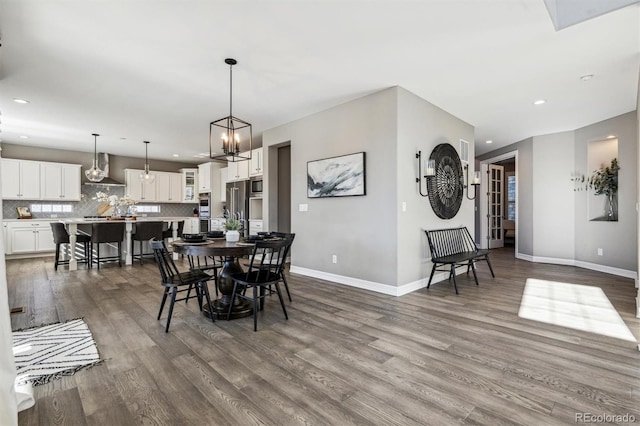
(82, 238)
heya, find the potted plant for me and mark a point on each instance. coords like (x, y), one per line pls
(232, 226)
(604, 181)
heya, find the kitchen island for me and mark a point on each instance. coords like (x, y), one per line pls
(72, 227)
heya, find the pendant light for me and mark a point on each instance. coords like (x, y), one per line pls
(145, 176)
(235, 133)
(95, 174)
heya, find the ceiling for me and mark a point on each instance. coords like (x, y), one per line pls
(154, 70)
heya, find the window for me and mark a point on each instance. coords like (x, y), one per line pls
(148, 209)
(51, 208)
(511, 197)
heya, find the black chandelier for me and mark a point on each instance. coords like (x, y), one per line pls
(236, 136)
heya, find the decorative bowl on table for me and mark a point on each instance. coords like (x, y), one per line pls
(252, 238)
(193, 238)
(215, 234)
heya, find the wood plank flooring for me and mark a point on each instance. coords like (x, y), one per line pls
(345, 356)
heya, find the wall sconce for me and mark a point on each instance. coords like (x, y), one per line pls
(429, 171)
(475, 181)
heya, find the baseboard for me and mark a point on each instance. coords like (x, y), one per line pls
(586, 265)
(371, 285)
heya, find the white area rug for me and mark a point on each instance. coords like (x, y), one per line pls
(575, 306)
(52, 351)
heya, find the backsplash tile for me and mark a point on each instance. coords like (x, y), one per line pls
(89, 207)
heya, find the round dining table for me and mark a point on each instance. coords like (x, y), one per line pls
(230, 252)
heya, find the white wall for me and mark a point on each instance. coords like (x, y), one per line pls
(553, 196)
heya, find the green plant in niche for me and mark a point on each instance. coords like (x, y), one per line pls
(232, 225)
(605, 179)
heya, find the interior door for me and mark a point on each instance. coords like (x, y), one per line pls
(495, 206)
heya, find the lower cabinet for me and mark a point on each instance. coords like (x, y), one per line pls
(255, 226)
(29, 237)
(191, 225)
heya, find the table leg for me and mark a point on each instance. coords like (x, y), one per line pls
(128, 257)
(241, 308)
(73, 262)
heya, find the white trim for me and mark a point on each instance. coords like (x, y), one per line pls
(580, 264)
(371, 285)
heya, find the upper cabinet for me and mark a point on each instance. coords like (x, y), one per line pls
(60, 182)
(189, 185)
(256, 162)
(141, 192)
(168, 187)
(224, 175)
(238, 170)
(204, 177)
(38, 180)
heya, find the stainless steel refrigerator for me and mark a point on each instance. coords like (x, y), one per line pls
(238, 204)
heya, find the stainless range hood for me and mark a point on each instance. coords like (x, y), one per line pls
(103, 163)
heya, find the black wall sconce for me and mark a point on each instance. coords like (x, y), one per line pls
(429, 172)
(475, 181)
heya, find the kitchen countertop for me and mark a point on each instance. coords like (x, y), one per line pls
(98, 220)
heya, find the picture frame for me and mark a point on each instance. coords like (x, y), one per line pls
(341, 176)
(24, 213)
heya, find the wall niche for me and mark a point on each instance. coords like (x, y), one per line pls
(602, 180)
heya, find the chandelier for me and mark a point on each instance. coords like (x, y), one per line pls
(95, 174)
(231, 134)
(145, 176)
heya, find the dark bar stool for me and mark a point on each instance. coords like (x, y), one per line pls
(168, 233)
(112, 232)
(144, 231)
(61, 236)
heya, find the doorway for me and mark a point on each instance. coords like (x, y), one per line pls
(284, 188)
(497, 203)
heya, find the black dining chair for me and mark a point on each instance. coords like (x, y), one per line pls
(289, 237)
(174, 281)
(143, 232)
(267, 259)
(110, 232)
(211, 265)
(61, 236)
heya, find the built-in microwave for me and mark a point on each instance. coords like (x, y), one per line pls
(256, 187)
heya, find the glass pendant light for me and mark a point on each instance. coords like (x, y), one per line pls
(145, 176)
(95, 174)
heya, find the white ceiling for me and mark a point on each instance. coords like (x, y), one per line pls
(154, 70)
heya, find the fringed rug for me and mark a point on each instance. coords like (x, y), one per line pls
(46, 353)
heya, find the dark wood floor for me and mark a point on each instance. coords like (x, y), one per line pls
(346, 356)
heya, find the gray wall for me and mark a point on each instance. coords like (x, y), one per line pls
(361, 230)
(422, 126)
(617, 239)
(525, 191)
(373, 238)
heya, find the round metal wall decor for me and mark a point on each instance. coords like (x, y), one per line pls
(446, 187)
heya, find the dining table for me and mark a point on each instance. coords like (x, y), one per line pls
(230, 252)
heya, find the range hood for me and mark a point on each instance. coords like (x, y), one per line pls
(103, 163)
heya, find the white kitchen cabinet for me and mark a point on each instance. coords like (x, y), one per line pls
(255, 226)
(189, 185)
(191, 225)
(217, 223)
(238, 170)
(204, 177)
(255, 168)
(168, 187)
(5, 238)
(223, 184)
(30, 237)
(20, 179)
(60, 182)
(141, 192)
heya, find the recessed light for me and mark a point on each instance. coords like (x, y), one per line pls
(489, 141)
(176, 155)
(611, 137)
(24, 137)
(586, 77)
(123, 139)
(20, 101)
(539, 102)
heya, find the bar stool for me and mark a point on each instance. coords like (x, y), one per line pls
(111, 232)
(145, 231)
(168, 233)
(61, 236)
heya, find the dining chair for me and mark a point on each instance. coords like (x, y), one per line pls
(112, 232)
(175, 282)
(211, 265)
(143, 232)
(289, 237)
(61, 236)
(266, 260)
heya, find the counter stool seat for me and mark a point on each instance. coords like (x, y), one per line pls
(110, 232)
(61, 236)
(144, 231)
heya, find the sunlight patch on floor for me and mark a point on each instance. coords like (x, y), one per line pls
(575, 306)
